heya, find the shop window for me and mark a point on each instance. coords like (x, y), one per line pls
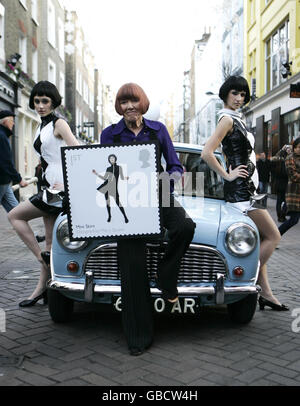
(292, 122)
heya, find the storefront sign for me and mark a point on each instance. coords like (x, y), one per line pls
(295, 91)
(6, 91)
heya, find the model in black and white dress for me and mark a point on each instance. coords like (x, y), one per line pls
(53, 133)
(240, 179)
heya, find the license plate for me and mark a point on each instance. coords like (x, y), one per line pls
(185, 305)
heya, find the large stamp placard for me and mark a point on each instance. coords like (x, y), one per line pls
(112, 191)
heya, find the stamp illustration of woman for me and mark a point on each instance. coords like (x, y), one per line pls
(110, 186)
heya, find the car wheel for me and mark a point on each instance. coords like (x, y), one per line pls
(243, 310)
(60, 307)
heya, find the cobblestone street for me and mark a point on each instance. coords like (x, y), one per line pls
(201, 350)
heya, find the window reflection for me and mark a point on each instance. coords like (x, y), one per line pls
(199, 180)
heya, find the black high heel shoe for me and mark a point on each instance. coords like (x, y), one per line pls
(46, 257)
(167, 296)
(32, 302)
(135, 351)
(264, 302)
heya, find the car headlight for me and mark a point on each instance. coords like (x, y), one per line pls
(63, 237)
(241, 239)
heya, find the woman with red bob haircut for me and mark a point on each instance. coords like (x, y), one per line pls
(132, 91)
(132, 103)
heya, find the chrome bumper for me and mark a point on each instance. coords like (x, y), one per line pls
(89, 288)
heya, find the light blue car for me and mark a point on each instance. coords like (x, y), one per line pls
(220, 267)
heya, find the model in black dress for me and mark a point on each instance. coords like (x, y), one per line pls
(110, 186)
(239, 177)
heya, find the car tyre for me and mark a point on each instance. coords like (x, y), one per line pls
(243, 310)
(60, 307)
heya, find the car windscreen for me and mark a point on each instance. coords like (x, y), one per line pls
(198, 179)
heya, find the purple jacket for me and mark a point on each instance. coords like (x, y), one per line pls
(127, 136)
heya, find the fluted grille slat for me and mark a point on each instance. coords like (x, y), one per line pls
(200, 264)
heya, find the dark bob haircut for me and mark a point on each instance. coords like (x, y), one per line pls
(234, 83)
(112, 155)
(133, 92)
(45, 88)
(295, 143)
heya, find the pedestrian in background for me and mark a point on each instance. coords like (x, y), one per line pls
(52, 134)
(8, 172)
(279, 173)
(263, 166)
(292, 164)
(39, 175)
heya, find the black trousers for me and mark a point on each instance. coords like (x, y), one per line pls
(279, 201)
(137, 312)
(291, 222)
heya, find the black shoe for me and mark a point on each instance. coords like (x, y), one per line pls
(40, 238)
(167, 296)
(135, 351)
(264, 302)
(109, 219)
(32, 302)
(46, 257)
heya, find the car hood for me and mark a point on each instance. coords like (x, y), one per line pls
(206, 213)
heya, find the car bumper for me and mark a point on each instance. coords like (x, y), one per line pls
(89, 289)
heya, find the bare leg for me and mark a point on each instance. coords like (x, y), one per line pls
(19, 218)
(49, 224)
(270, 238)
(45, 271)
(41, 286)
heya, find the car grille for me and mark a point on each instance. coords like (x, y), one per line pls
(200, 263)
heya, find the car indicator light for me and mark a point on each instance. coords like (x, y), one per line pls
(238, 271)
(72, 266)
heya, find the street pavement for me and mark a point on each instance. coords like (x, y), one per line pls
(189, 350)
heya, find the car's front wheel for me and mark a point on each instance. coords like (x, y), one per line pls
(243, 310)
(60, 307)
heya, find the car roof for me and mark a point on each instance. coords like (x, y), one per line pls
(185, 147)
